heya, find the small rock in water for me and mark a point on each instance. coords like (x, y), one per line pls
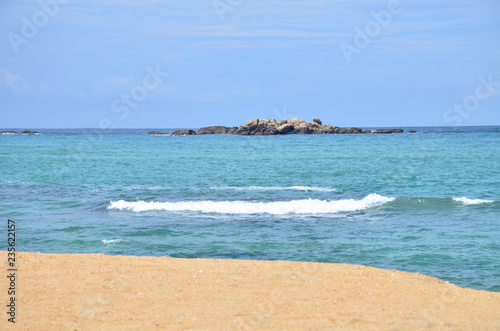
(184, 133)
(156, 133)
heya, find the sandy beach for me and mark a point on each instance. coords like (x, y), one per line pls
(100, 292)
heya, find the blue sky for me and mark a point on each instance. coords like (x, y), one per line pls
(162, 64)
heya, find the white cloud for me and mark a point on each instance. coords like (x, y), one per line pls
(18, 84)
(15, 82)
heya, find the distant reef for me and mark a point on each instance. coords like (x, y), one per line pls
(271, 127)
(22, 132)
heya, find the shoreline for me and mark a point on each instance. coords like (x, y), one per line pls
(97, 291)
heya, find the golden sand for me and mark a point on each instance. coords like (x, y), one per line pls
(100, 292)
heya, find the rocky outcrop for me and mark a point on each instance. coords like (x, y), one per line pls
(387, 131)
(184, 133)
(22, 132)
(217, 130)
(258, 127)
(270, 127)
(157, 133)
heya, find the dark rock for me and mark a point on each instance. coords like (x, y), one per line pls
(314, 126)
(387, 131)
(271, 131)
(356, 130)
(285, 128)
(29, 132)
(412, 131)
(184, 133)
(302, 130)
(341, 130)
(252, 125)
(156, 133)
(217, 130)
(367, 131)
(317, 120)
(8, 132)
(261, 126)
(328, 129)
(242, 131)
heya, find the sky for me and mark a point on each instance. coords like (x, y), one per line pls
(188, 64)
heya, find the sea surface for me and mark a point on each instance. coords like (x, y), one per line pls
(426, 202)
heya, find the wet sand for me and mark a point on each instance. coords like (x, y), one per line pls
(100, 292)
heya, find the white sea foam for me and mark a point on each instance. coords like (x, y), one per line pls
(308, 206)
(276, 188)
(111, 241)
(467, 201)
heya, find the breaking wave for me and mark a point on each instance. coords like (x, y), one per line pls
(112, 241)
(309, 206)
(467, 201)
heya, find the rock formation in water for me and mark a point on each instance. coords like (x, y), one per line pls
(271, 127)
(157, 133)
(183, 133)
(258, 127)
(385, 131)
(23, 132)
(217, 130)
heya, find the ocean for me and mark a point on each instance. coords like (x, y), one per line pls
(426, 202)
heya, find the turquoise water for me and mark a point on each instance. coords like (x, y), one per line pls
(427, 202)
